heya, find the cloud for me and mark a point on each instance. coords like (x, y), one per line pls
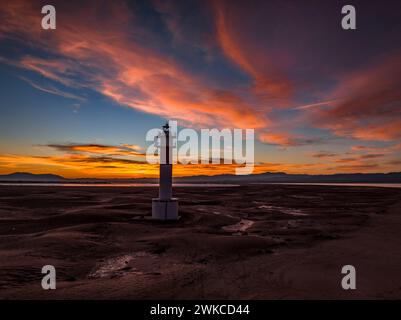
(388, 149)
(372, 156)
(287, 139)
(342, 160)
(53, 90)
(356, 168)
(124, 149)
(361, 148)
(395, 162)
(243, 44)
(370, 104)
(101, 160)
(323, 154)
(315, 105)
(361, 157)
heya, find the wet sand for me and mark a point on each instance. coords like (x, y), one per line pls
(246, 242)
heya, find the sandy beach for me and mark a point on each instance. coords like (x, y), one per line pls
(245, 242)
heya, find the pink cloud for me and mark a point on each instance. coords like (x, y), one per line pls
(369, 105)
(239, 41)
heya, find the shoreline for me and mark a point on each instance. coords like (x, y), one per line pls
(194, 185)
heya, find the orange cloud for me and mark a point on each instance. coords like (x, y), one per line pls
(279, 139)
(369, 107)
(394, 148)
(124, 149)
(286, 139)
(323, 154)
(233, 28)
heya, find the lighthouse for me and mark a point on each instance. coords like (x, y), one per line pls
(165, 207)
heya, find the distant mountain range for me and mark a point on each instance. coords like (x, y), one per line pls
(30, 177)
(392, 177)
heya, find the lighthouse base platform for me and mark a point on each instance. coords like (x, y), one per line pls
(165, 209)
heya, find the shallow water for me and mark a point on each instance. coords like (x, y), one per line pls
(53, 184)
(40, 184)
(290, 211)
(241, 226)
(379, 185)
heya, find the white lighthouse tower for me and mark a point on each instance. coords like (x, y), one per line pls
(165, 207)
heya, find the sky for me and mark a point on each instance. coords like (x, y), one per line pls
(78, 101)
